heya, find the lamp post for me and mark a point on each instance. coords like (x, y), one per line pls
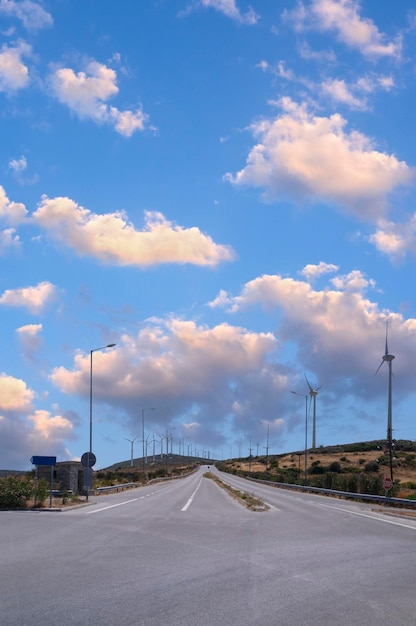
(109, 345)
(306, 433)
(267, 445)
(143, 439)
(249, 449)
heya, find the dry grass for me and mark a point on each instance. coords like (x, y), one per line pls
(347, 460)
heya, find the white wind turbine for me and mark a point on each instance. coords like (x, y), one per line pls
(388, 358)
(313, 393)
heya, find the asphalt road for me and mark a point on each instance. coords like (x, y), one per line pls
(184, 553)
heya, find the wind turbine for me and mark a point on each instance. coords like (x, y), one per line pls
(313, 393)
(388, 358)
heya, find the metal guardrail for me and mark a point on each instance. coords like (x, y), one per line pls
(343, 494)
(131, 485)
(117, 487)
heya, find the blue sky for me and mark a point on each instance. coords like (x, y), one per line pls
(225, 191)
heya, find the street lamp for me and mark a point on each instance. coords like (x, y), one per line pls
(143, 440)
(306, 433)
(267, 445)
(109, 345)
(249, 458)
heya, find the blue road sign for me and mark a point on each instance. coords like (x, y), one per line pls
(43, 460)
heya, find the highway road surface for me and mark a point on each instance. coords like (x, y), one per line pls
(184, 553)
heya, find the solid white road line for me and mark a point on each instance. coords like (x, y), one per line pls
(112, 506)
(373, 517)
(188, 504)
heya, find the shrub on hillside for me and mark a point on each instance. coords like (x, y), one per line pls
(371, 466)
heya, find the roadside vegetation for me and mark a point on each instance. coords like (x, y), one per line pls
(248, 500)
(357, 468)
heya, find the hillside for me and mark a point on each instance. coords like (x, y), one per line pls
(348, 461)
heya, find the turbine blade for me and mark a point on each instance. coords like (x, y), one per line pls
(308, 383)
(387, 328)
(379, 367)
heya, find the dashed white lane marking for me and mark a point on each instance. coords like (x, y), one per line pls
(188, 504)
(112, 506)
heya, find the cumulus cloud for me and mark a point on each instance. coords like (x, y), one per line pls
(343, 18)
(50, 428)
(14, 74)
(8, 240)
(34, 299)
(30, 340)
(196, 373)
(230, 9)
(11, 212)
(395, 239)
(86, 94)
(339, 91)
(111, 238)
(15, 397)
(32, 15)
(338, 331)
(25, 430)
(312, 271)
(304, 156)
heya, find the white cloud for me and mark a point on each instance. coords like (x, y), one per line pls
(343, 18)
(338, 332)
(31, 14)
(354, 282)
(395, 239)
(303, 156)
(14, 74)
(111, 238)
(11, 212)
(230, 9)
(18, 165)
(86, 94)
(15, 396)
(311, 271)
(50, 428)
(8, 240)
(30, 339)
(26, 431)
(34, 299)
(195, 372)
(340, 92)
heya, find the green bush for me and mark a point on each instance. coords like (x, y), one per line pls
(42, 492)
(15, 492)
(335, 467)
(371, 466)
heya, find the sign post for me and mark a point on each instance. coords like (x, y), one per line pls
(387, 484)
(44, 460)
(88, 461)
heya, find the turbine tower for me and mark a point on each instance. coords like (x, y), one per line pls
(313, 393)
(388, 358)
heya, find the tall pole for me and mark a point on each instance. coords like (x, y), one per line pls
(267, 445)
(306, 434)
(388, 358)
(143, 439)
(109, 345)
